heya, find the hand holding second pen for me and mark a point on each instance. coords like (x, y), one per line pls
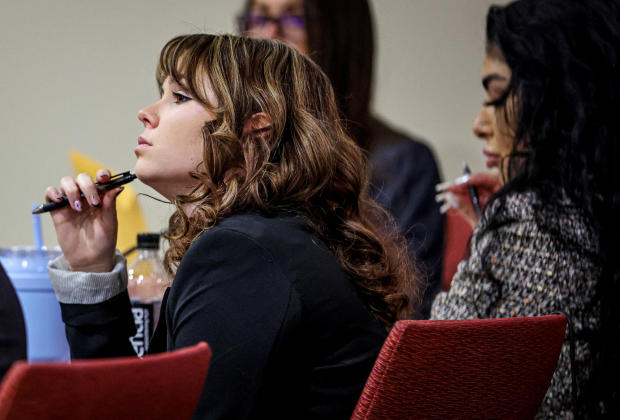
(87, 229)
(454, 195)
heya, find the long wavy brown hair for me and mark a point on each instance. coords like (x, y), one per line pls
(304, 162)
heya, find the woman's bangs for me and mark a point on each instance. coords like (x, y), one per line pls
(174, 62)
(184, 61)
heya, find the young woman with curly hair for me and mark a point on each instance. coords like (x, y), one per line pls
(340, 37)
(278, 262)
(548, 238)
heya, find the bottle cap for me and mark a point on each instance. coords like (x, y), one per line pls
(148, 240)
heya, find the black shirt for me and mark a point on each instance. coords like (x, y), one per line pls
(290, 336)
(12, 329)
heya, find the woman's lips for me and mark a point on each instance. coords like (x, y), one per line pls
(142, 144)
(493, 159)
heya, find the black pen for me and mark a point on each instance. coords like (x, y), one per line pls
(114, 181)
(473, 194)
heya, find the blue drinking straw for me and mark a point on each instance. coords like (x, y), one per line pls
(36, 228)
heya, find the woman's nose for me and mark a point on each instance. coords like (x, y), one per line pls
(271, 30)
(482, 126)
(148, 116)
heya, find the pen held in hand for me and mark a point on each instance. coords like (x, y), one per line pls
(473, 193)
(114, 181)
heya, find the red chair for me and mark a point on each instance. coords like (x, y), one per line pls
(456, 239)
(481, 368)
(161, 386)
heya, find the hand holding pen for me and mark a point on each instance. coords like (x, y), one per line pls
(85, 219)
(457, 195)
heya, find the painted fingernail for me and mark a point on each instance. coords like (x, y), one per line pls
(121, 189)
(77, 205)
(440, 187)
(462, 179)
(94, 200)
(58, 196)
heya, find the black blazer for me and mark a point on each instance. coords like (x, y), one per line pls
(12, 329)
(290, 336)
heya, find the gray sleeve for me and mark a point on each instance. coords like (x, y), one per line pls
(472, 293)
(87, 288)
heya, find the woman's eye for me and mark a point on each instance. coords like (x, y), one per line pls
(497, 99)
(180, 98)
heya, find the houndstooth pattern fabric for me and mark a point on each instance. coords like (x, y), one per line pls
(528, 258)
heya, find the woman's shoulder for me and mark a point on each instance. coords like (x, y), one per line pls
(238, 247)
(526, 249)
(278, 237)
(264, 230)
(538, 223)
(284, 242)
(281, 249)
(259, 225)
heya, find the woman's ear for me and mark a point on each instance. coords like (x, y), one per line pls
(257, 123)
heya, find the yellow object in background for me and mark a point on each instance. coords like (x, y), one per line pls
(130, 216)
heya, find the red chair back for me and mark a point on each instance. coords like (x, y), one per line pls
(482, 368)
(161, 386)
(456, 239)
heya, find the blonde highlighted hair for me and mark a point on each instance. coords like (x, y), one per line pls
(304, 162)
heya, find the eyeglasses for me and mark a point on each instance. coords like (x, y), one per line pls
(255, 22)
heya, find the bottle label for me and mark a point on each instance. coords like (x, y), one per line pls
(144, 318)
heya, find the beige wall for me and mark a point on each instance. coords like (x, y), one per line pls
(74, 73)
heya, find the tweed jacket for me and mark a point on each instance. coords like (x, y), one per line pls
(532, 257)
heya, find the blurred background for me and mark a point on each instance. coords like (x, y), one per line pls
(75, 73)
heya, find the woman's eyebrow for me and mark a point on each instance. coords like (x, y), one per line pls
(491, 77)
(179, 85)
(173, 84)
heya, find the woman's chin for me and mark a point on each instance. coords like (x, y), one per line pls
(145, 176)
(141, 173)
(154, 180)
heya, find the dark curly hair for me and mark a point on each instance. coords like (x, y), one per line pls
(305, 162)
(565, 61)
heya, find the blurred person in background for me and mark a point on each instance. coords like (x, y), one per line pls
(339, 37)
(547, 240)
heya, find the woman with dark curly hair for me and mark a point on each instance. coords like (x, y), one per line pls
(278, 263)
(547, 238)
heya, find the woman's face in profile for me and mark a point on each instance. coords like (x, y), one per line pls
(491, 125)
(279, 19)
(171, 145)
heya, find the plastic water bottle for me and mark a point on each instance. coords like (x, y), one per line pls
(147, 282)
